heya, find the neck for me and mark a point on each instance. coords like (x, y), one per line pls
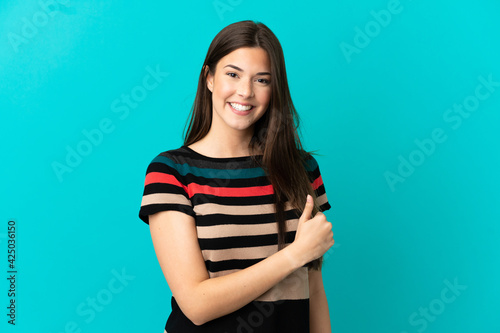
(223, 143)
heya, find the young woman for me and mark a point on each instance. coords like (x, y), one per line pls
(235, 213)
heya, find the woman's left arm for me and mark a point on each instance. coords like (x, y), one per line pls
(319, 316)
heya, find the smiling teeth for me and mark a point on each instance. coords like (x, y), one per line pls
(240, 107)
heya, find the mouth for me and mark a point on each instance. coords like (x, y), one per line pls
(241, 107)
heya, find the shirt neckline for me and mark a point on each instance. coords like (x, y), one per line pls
(239, 158)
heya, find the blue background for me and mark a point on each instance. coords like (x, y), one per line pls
(64, 69)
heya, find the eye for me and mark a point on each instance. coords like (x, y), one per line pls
(263, 81)
(231, 74)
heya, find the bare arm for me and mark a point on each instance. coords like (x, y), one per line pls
(203, 299)
(319, 316)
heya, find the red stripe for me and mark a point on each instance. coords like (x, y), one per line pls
(317, 183)
(254, 191)
(159, 177)
(193, 188)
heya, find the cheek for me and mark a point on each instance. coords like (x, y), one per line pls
(223, 90)
(265, 97)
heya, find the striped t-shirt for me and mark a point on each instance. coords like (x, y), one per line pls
(231, 200)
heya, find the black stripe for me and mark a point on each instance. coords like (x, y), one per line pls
(147, 210)
(249, 241)
(221, 182)
(324, 207)
(184, 156)
(220, 219)
(320, 190)
(233, 201)
(217, 266)
(160, 188)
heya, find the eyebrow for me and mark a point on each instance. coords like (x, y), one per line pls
(241, 70)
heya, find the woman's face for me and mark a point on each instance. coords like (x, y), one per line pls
(241, 89)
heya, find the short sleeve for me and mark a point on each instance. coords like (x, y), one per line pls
(164, 188)
(317, 184)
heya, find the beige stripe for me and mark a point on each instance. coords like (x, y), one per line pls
(321, 199)
(165, 198)
(240, 253)
(232, 230)
(222, 273)
(210, 208)
(294, 286)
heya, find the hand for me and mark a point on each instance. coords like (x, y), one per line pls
(314, 236)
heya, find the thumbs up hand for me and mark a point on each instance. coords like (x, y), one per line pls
(314, 235)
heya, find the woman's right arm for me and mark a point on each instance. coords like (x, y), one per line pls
(203, 299)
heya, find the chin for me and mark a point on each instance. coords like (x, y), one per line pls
(241, 127)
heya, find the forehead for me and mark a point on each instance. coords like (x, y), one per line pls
(247, 58)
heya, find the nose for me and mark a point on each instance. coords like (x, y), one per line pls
(245, 89)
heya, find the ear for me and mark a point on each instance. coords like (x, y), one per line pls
(210, 79)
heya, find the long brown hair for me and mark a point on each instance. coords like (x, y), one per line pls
(275, 133)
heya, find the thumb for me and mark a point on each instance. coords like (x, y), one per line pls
(306, 213)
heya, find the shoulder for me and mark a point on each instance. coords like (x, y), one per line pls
(172, 158)
(175, 162)
(179, 155)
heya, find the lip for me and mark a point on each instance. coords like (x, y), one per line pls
(240, 103)
(238, 112)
